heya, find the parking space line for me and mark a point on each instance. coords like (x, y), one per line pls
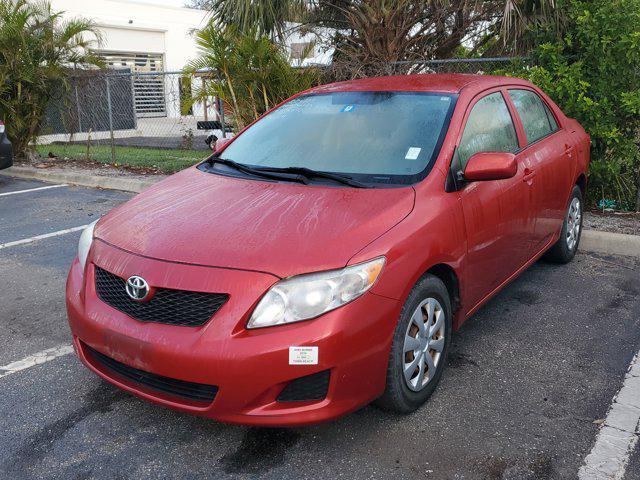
(36, 359)
(33, 189)
(41, 237)
(618, 435)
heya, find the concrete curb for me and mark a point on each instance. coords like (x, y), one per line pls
(610, 243)
(126, 184)
(591, 240)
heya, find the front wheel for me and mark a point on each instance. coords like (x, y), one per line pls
(566, 247)
(419, 349)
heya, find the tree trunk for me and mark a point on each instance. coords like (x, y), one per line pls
(253, 103)
(638, 192)
(266, 99)
(240, 123)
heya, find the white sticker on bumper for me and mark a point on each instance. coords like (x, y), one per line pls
(303, 355)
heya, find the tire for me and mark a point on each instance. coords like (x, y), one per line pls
(402, 394)
(567, 245)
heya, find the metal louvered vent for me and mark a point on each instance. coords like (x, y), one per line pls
(172, 307)
(148, 80)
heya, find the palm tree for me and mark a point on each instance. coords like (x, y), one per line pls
(246, 70)
(217, 58)
(384, 30)
(38, 50)
(265, 17)
(376, 37)
(522, 20)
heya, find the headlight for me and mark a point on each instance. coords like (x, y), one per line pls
(85, 243)
(308, 296)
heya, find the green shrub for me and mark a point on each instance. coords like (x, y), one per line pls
(593, 73)
(37, 50)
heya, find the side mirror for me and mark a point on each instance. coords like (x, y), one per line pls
(490, 166)
(221, 142)
(211, 141)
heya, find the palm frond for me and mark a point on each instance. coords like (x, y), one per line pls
(248, 71)
(38, 49)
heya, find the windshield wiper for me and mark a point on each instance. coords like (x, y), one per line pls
(241, 167)
(310, 173)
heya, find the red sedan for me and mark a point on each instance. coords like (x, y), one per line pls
(321, 259)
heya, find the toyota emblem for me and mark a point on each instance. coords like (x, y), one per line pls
(137, 288)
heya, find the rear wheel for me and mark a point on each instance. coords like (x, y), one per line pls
(419, 349)
(566, 247)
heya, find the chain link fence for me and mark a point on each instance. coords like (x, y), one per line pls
(134, 110)
(115, 111)
(472, 66)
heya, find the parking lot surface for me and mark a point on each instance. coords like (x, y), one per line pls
(529, 379)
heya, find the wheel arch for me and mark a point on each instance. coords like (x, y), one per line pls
(581, 182)
(450, 278)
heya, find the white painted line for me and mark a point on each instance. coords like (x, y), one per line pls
(41, 237)
(33, 189)
(35, 359)
(618, 435)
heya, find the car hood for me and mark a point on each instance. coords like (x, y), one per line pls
(280, 228)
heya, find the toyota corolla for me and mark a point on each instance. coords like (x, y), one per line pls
(321, 259)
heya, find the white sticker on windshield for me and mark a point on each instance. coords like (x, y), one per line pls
(303, 355)
(412, 153)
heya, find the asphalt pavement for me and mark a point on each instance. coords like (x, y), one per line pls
(529, 379)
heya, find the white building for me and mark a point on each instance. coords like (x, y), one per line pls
(133, 31)
(309, 47)
(147, 39)
(143, 38)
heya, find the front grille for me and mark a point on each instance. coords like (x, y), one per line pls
(173, 307)
(197, 392)
(304, 389)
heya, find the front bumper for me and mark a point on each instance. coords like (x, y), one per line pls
(249, 367)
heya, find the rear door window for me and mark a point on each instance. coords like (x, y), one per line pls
(537, 119)
(489, 128)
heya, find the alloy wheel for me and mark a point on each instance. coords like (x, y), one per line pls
(574, 223)
(423, 344)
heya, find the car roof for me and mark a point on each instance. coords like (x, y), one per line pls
(428, 82)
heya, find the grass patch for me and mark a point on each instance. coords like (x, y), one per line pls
(160, 160)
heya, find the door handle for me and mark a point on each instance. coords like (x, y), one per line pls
(528, 175)
(568, 150)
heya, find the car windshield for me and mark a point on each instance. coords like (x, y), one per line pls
(375, 137)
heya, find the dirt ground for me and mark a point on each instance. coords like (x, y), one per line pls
(628, 223)
(91, 168)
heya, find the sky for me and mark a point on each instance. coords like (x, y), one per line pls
(170, 3)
